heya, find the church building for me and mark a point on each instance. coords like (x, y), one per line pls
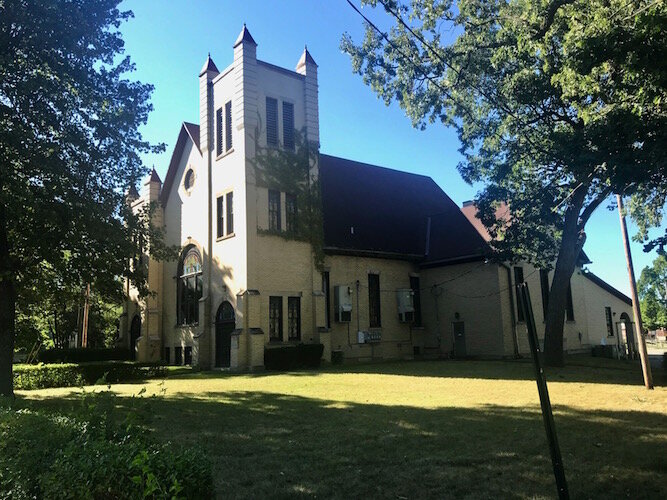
(370, 262)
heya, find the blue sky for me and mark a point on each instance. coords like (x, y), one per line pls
(169, 41)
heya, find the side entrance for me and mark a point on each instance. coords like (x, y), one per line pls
(225, 323)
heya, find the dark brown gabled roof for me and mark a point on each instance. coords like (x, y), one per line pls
(606, 286)
(188, 131)
(373, 210)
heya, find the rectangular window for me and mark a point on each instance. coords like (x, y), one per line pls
(221, 216)
(570, 306)
(218, 131)
(230, 213)
(294, 318)
(518, 279)
(288, 125)
(276, 319)
(544, 285)
(228, 125)
(271, 121)
(290, 212)
(167, 355)
(274, 210)
(610, 324)
(374, 300)
(178, 355)
(327, 298)
(416, 300)
(188, 300)
(188, 355)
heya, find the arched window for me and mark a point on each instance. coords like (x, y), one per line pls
(189, 287)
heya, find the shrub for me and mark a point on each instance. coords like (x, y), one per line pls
(94, 454)
(72, 375)
(83, 355)
(293, 356)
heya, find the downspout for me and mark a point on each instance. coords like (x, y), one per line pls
(209, 169)
(515, 338)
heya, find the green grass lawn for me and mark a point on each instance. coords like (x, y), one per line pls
(412, 429)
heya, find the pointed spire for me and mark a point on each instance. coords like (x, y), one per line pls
(306, 58)
(245, 37)
(155, 177)
(132, 192)
(209, 65)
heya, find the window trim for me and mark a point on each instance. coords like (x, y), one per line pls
(229, 144)
(609, 320)
(229, 213)
(290, 302)
(286, 128)
(220, 219)
(276, 301)
(277, 122)
(278, 209)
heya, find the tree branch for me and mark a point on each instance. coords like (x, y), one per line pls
(550, 16)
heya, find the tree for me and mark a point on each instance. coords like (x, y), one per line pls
(69, 150)
(557, 105)
(652, 291)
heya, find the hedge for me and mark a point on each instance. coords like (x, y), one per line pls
(83, 355)
(73, 375)
(293, 356)
(87, 455)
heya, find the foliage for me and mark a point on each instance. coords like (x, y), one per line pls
(70, 148)
(41, 376)
(82, 355)
(292, 357)
(94, 454)
(652, 291)
(294, 172)
(557, 104)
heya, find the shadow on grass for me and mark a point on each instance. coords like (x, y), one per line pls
(582, 369)
(273, 445)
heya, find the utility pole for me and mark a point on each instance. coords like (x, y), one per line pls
(86, 306)
(641, 342)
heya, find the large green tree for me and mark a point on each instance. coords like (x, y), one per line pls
(69, 149)
(557, 104)
(652, 291)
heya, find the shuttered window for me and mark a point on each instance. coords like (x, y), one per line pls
(228, 125)
(230, 212)
(218, 131)
(271, 121)
(288, 125)
(374, 300)
(221, 217)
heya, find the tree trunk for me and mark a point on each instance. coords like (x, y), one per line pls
(7, 311)
(571, 245)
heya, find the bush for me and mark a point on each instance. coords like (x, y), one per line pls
(83, 355)
(73, 375)
(94, 455)
(293, 356)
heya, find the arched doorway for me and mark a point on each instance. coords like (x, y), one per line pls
(224, 326)
(628, 334)
(135, 333)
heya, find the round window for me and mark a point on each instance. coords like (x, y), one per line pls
(189, 180)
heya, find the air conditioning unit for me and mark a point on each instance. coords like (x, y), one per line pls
(343, 303)
(406, 306)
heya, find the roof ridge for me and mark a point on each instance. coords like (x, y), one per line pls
(378, 166)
